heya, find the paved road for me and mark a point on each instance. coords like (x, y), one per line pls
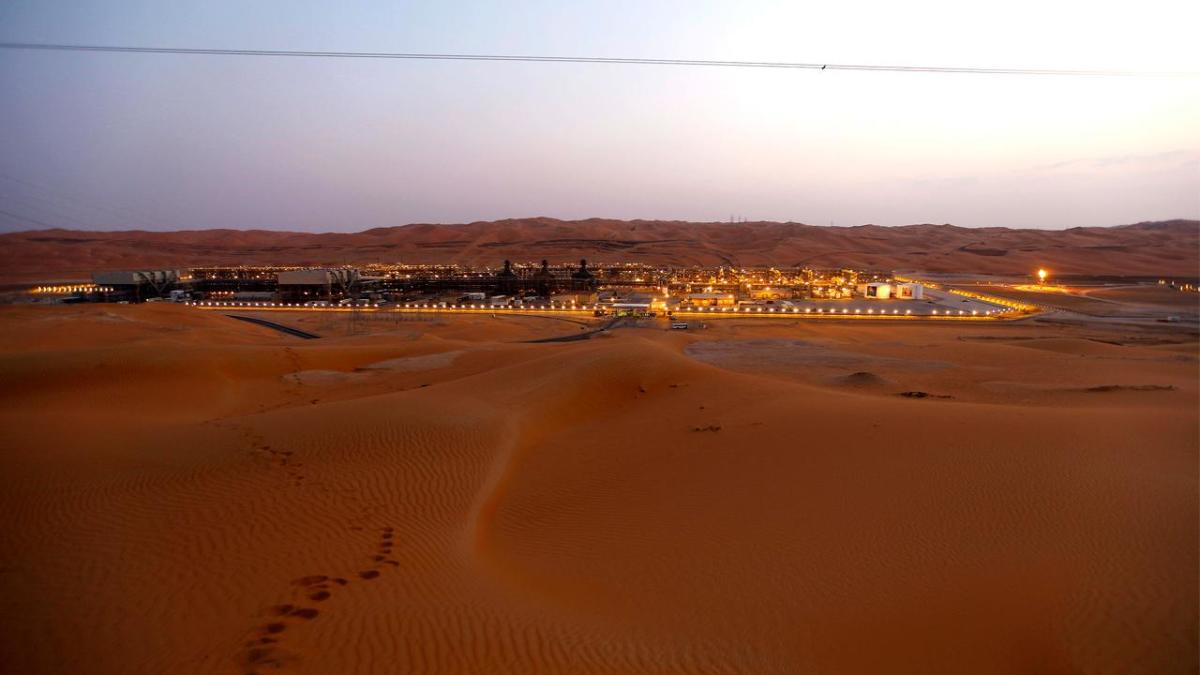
(586, 335)
(275, 326)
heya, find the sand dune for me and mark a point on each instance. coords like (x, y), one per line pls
(1160, 248)
(451, 498)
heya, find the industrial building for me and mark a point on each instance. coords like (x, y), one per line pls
(138, 285)
(323, 283)
(544, 281)
(877, 290)
(711, 299)
(880, 290)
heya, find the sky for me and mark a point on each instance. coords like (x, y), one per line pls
(164, 142)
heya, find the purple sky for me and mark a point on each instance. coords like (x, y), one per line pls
(117, 141)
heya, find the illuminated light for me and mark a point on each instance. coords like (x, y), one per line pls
(1041, 276)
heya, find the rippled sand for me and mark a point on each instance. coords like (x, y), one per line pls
(185, 493)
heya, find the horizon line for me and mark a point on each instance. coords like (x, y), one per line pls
(594, 218)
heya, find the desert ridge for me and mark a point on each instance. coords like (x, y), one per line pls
(1142, 249)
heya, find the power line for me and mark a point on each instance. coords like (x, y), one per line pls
(50, 195)
(30, 204)
(586, 59)
(32, 221)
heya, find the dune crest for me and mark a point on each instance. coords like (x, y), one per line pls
(187, 493)
(1156, 248)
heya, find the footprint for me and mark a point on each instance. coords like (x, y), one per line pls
(312, 580)
(264, 651)
(259, 655)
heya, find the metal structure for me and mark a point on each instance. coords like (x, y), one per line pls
(318, 283)
(133, 282)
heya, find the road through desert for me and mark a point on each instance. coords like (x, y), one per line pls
(187, 493)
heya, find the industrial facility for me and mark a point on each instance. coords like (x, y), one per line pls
(619, 289)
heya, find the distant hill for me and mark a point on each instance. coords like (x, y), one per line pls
(1166, 248)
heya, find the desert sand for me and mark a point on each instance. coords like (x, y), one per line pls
(1141, 249)
(187, 493)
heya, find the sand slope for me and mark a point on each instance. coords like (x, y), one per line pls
(1160, 248)
(176, 500)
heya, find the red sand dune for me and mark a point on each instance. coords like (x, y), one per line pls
(1167, 248)
(186, 493)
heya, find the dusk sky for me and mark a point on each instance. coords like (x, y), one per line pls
(152, 141)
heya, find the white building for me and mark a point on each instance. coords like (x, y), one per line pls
(908, 291)
(879, 290)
